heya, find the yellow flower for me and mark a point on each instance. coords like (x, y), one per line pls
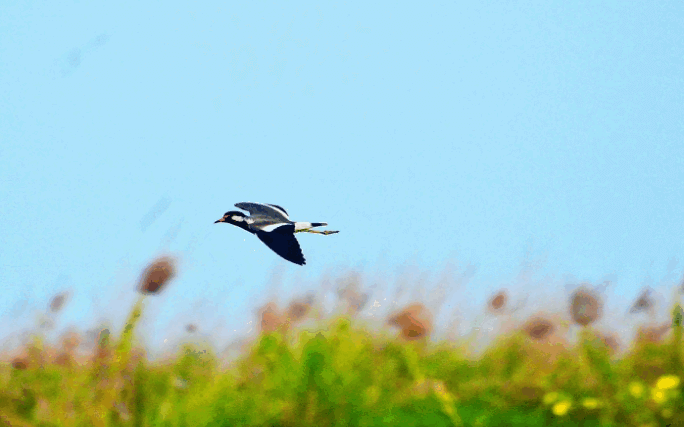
(561, 408)
(658, 396)
(667, 382)
(551, 397)
(636, 389)
(441, 392)
(590, 403)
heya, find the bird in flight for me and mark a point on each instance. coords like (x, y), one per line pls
(272, 225)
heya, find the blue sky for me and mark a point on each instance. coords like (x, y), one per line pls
(442, 134)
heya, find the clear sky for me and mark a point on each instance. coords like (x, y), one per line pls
(429, 135)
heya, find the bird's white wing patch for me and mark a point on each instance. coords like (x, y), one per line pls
(279, 209)
(273, 211)
(272, 227)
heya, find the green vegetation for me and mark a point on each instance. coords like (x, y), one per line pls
(343, 375)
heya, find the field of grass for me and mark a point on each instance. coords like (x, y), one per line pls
(340, 374)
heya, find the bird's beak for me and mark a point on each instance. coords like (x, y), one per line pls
(220, 220)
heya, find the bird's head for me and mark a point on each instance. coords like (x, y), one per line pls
(235, 218)
(232, 217)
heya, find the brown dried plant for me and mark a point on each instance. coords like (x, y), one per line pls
(643, 303)
(498, 301)
(298, 309)
(585, 306)
(539, 328)
(64, 359)
(157, 275)
(58, 301)
(271, 318)
(20, 363)
(414, 321)
(70, 341)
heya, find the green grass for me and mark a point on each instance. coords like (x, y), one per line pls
(343, 375)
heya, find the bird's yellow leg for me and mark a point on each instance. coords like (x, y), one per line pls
(326, 232)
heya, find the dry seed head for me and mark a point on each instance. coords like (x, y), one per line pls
(58, 301)
(70, 341)
(297, 310)
(585, 306)
(539, 328)
(20, 363)
(498, 301)
(64, 359)
(271, 320)
(643, 303)
(413, 320)
(157, 275)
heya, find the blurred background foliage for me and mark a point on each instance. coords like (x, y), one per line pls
(340, 371)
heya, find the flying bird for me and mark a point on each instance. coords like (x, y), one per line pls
(272, 225)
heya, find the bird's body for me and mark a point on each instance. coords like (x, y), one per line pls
(272, 225)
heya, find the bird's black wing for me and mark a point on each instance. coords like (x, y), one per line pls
(283, 242)
(273, 211)
(279, 207)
